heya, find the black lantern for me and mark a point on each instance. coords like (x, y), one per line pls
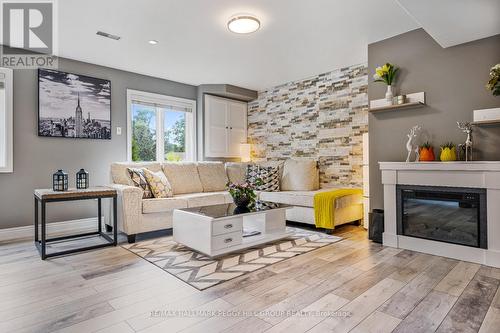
(60, 181)
(82, 179)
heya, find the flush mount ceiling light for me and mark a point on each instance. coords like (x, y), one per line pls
(243, 24)
(153, 42)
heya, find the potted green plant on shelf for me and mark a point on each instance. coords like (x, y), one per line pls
(494, 82)
(387, 75)
(448, 152)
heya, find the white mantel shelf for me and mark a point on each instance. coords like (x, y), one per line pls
(443, 166)
(476, 174)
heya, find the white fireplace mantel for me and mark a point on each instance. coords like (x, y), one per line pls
(476, 174)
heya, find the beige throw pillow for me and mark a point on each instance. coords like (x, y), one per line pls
(159, 184)
(300, 175)
(120, 174)
(183, 176)
(139, 180)
(213, 176)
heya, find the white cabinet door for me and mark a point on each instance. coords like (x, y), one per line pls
(225, 126)
(237, 127)
(216, 128)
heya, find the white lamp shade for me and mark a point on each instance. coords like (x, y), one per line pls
(245, 152)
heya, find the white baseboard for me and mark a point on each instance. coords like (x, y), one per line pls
(72, 226)
(389, 239)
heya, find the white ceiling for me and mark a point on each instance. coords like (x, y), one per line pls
(297, 39)
(453, 22)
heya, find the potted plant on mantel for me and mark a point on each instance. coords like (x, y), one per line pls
(448, 152)
(387, 75)
(494, 82)
(427, 153)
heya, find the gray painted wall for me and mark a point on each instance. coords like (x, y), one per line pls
(453, 79)
(36, 158)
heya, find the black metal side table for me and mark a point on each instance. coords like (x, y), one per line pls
(44, 196)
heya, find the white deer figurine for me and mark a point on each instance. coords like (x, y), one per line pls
(409, 145)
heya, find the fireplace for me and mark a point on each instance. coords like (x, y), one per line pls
(453, 215)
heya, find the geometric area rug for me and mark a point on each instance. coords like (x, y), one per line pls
(202, 272)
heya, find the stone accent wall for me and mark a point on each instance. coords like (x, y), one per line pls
(322, 117)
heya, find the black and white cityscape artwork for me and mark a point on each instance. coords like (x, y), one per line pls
(73, 106)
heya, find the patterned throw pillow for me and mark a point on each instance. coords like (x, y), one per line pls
(269, 178)
(159, 184)
(139, 180)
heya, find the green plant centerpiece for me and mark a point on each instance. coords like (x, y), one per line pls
(494, 82)
(387, 75)
(243, 194)
(448, 152)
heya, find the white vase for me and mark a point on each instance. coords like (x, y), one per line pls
(389, 95)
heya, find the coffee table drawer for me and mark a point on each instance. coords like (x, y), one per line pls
(226, 240)
(226, 226)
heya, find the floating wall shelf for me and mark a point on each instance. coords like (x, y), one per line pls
(486, 117)
(486, 122)
(415, 100)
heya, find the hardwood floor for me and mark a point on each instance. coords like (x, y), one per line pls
(363, 286)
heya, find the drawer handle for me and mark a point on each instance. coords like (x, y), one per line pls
(228, 240)
(228, 226)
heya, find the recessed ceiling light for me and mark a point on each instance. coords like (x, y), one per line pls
(243, 24)
(153, 42)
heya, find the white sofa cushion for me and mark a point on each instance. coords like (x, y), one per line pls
(160, 205)
(213, 176)
(183, 177)
(306, 198)
(237, 172)
(300, 175)
(203, 199)
(120, 175)
(227, 197)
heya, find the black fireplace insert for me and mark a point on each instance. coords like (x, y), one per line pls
(447, 214)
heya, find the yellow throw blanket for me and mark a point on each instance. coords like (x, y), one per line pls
(324, 206)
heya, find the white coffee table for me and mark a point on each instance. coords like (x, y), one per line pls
(218, 229)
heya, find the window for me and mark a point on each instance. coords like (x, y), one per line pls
(6, 123)
(160, 128)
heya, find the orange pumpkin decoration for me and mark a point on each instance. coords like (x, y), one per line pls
(427, 153)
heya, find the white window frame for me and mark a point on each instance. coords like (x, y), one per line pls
(152, 98)
(7, 139)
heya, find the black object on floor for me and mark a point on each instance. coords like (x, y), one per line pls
(376, 225)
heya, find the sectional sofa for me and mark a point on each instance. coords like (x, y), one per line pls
(204, 183)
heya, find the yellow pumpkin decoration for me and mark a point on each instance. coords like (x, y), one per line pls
(448, 153)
